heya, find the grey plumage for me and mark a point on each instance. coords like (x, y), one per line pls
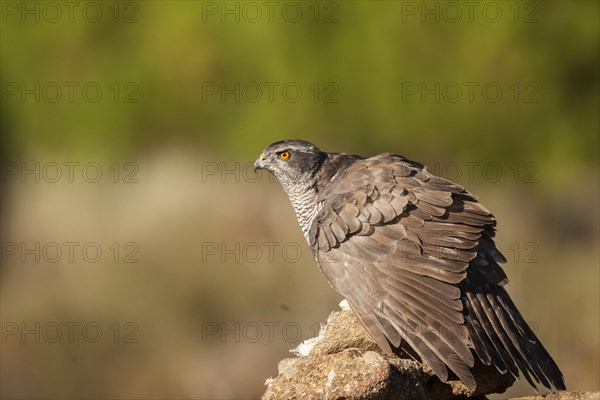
(414, 256)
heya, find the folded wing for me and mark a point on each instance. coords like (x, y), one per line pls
(414, 255)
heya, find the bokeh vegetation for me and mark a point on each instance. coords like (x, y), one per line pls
(361, 66)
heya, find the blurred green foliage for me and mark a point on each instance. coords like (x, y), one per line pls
(369, 50)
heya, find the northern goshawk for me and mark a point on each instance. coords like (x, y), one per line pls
(414, 256)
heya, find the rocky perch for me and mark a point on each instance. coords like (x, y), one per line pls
(343, 362)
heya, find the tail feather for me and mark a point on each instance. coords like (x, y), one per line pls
(501, 336)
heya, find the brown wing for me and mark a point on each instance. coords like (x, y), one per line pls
(414, 256)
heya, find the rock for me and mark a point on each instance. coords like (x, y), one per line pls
(340, 375)
(343, 362)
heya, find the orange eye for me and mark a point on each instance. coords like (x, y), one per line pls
(284, 155)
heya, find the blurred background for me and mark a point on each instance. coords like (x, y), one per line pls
(143, 258)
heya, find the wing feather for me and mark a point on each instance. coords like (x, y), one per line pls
(413, 254)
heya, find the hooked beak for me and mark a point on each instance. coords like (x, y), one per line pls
(261, 162)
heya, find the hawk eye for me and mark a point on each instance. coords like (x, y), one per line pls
(284, 155)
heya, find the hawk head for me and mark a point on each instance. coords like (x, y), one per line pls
(292, 162)
(296, 165)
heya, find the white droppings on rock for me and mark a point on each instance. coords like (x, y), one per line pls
(330, 318)
(269, 381)
(344, 305)
(304, 348)
(330, 377)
